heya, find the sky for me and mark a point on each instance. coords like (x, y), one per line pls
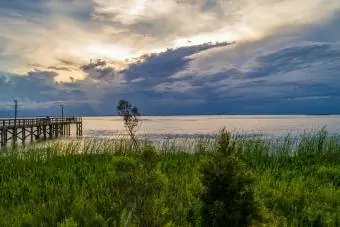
(170, 57)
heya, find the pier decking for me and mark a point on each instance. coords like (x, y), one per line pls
(23, 130)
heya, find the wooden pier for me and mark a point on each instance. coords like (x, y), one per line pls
(28, 130)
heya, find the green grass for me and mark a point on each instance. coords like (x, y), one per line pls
(97, 183)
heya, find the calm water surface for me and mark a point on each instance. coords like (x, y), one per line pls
(207, 125)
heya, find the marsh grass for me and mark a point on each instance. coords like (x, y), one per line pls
(100, 182)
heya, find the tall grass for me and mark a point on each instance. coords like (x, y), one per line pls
(296, 182)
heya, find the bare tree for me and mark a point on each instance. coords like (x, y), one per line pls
(130, 115)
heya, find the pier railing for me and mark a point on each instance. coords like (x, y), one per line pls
(41, 121)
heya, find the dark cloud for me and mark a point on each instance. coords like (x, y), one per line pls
(289, 77)
(37, 92)
(159, 67)
(300, 57)
(296, 79)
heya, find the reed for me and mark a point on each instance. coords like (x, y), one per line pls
(99, 182)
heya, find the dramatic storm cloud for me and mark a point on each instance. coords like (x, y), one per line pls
(170, 57)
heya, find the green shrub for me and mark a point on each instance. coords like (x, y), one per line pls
(228, 198)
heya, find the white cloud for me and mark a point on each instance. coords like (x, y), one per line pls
(231, 19)
(124, 29)
(177, 86)
(129, 12)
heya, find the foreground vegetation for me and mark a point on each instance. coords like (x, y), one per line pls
(224, 182)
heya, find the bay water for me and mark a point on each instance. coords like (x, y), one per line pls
(190, 126)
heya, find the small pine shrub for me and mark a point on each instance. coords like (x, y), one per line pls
(228, 197)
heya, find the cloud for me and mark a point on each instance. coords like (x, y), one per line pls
(162, 55)
(212, 20)
(38, 89)
(41, 32)
(288, 77)
(103, 83)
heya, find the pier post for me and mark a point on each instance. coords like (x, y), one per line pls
(44, 132)
(32, 134)
(79, 129)
(5, 136)
(56, 130)
(69, 129)
(2, 137)
(23, 136)
(14, 136)
(50, 131)
(38, 132)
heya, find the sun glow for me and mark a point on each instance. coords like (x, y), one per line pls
(228, 34)
(122, 56)
(109, 51)
(118, 56)
(69, 76)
